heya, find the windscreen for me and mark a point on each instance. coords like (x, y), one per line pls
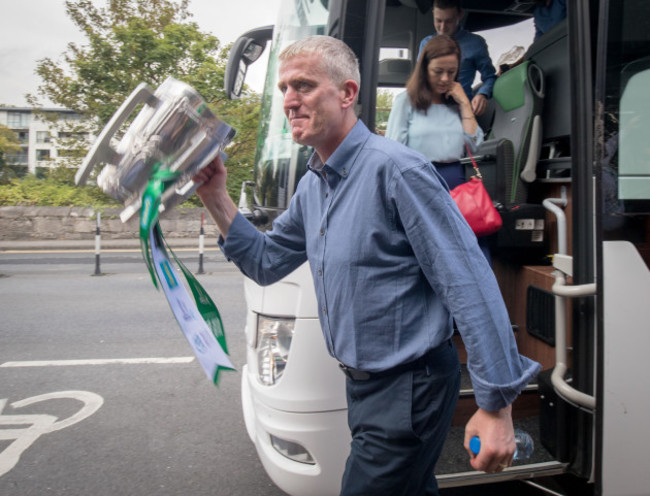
(280, 162)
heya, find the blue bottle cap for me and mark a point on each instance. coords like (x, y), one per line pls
(475, 445)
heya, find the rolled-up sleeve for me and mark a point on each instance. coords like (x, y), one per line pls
(473, 141)
(456, 269)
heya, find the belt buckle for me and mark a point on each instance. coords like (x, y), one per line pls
(354, 374)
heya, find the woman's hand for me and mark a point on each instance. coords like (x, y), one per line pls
(466, 112)
(458, 94)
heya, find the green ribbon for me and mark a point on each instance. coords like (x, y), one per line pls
(161, 180)
(204, 303)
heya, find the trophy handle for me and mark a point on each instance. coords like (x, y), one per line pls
(101, 150)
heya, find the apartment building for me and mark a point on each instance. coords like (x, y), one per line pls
(48, 137)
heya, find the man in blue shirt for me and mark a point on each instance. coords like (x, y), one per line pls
(392, 260)
(447, 15)
(547, 14)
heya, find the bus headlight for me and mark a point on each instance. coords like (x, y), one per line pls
(273, 342)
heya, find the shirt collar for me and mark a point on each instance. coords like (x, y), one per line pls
(343, 158)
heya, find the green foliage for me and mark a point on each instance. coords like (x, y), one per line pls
(52, 191)
(9, 143)
(61, 175)
(55, 187)
(237, 174)
(6, 172)
(130, 42)
(384, 105)
(134, 41)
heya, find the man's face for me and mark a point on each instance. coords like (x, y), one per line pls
(446, 21)
(312, 103)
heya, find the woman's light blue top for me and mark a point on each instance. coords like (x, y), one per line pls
(438, 134)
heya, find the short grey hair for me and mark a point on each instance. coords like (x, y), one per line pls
(337, 58)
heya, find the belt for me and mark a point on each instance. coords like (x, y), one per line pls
(418, 363)
(442, 164)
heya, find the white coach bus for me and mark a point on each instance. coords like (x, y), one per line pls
(568, 161)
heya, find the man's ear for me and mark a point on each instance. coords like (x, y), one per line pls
(350, 90)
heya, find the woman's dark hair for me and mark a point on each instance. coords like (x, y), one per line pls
(417, 87)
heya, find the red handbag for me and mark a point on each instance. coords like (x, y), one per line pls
(475, 204)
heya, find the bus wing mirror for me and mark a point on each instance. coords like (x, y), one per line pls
(246, 50)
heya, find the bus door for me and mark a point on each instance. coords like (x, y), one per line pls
(518, 268)
(623, 239)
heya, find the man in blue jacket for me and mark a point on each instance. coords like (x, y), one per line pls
(447, 15)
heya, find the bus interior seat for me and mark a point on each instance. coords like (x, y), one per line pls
(550, 52)
(394, 72)
(518, 97)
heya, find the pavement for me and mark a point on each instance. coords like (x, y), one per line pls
(105, 245)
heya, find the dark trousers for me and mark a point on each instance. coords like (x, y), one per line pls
(453, 173)
(399, 423)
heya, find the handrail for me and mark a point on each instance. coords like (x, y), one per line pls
(551, 205)
(562, 291)
(564, 266)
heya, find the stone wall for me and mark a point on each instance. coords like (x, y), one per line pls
(77, 223)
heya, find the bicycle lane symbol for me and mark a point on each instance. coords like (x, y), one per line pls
(37, 425)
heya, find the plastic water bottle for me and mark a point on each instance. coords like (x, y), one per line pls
(524, 450)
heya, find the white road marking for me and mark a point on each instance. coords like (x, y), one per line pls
(100, 361)
(37, 425)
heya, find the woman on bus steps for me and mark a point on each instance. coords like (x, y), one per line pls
(434, 115)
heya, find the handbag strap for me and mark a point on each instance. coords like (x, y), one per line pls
(469, 153)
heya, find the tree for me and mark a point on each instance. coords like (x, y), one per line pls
(134, 41)
(9, 143)
(384, 105)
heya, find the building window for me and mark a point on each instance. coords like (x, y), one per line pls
(19, 158)
(42, 155)
(42, 136)
(18, 119)
(23, 137)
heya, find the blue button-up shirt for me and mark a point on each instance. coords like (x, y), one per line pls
(474, 57)
(392, 259)
(547, 16)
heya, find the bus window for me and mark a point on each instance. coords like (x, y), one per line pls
(280, 163)
(625, 151)
(634, 153)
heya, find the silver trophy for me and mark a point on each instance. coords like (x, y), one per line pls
(174, 130)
